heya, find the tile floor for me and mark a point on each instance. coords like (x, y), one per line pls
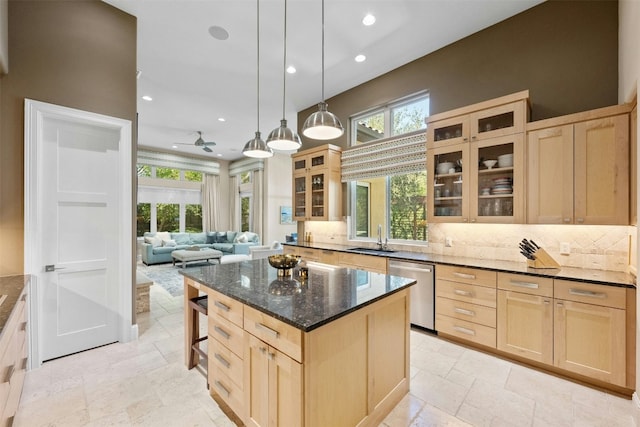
(145, 383)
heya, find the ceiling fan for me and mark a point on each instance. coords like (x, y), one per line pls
(201, 143)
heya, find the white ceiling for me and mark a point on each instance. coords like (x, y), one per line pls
(194, 79)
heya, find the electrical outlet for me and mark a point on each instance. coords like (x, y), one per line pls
(565, 248)
(448, 242)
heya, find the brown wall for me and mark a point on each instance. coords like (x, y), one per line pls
(79, 54)
(564, 52)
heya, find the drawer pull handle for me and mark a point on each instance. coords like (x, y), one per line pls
(10, 372)
(464, 311)
(267, 329)
(528, 285)
(583, 293)
(222, 332)
(222, 388)
(222, 360)
(221, 305)
(464, 330)
(463, 293)
(465, 275)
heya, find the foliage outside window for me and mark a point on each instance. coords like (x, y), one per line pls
(193, 176)
(168, 217)
(168, 173)
(397, 203)
(245, 213)
(245, 177)
(193, 219)
(143, 219)
(144, 170)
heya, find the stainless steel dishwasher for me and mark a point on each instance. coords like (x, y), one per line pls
(422, 293)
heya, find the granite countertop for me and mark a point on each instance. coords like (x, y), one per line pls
(602, 277)
(12, 287)
(328, 292)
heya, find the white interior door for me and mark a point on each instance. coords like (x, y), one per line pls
(80, 251)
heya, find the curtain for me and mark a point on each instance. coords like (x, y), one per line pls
(234, 204)
(210, 202)
(257, 208)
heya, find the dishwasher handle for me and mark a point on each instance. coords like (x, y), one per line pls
(407, 268)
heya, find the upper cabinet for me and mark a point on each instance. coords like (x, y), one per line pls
(317, 190)
(490, 119)
(475, 162)
(633, 172)
(578, 168)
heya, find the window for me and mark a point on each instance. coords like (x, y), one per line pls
(144, 170)
(193, 219)
(143, 219)
(193, 176)
(168, 173)
(245, 177)
(168, 217)
(387, 192)
(245, 213)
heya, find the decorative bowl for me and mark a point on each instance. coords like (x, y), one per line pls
(505, 160)
(490, 163)
(284, 263)
(444, 167)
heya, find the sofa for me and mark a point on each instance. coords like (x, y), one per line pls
(157, 247)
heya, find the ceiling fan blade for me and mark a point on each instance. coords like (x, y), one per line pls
(207, 149)
(209, 143)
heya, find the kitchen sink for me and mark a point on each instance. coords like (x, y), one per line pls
(372, 250)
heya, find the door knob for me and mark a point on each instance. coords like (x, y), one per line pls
(51, 267)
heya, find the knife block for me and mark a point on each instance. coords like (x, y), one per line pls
(543, 260)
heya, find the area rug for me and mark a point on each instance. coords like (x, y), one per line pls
(167, 276)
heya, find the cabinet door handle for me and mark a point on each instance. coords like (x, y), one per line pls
(464, 293)
(465, 275)
(473, 220)
(584, 293)
(464, 330)
(465, 139)
(221, 305)
(222, 360)
(222, 332)
(580, 220)
(528, 285)
(222, 388)
(567, 220)
(464, 311)
(267, 329)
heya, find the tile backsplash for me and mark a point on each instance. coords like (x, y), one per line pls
(591, 246)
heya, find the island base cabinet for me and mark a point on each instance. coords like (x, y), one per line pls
(525, 326)
(590, 340)
(273, 386)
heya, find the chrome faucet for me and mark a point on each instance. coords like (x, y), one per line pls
(381, 246)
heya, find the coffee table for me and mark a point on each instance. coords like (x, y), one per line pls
(204, 254)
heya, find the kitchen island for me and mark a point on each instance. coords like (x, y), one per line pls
(328, 349)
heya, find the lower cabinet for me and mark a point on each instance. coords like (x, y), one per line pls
(273, 386)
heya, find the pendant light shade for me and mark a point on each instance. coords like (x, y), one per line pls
(283, 138)
(256, 147)
(322, 124)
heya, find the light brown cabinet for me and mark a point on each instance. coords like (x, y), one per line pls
(578, 168)
(466, 304)
(633, 167)
(317, 190)
(590, 330)
(525, 316)
(311, 254)
(372, 263)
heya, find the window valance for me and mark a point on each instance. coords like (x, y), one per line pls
(175, 161)
(245, 165)
(391, 156)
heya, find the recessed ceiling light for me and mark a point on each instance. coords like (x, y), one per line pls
(218, 33)
(360, 58)
(174, 146)
(219, 155)
(147, 98)
(369, 19)
(291, 69)
(222, 119)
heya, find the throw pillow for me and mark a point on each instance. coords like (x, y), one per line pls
(251, 237)
(153, 241)
(242, 238)
(170, 243)
(198, 237)
(211, 238)
(163, 235)
(231, 235)
(276, 245)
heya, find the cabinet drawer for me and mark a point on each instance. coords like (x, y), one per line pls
(329, 257)
(228, 391)
(479, 334)
(224, 306)
(466, 293)
(472, 276)
(466, 311)
(364, 262)
(532, 285)
(307, 254)
(221, 359)
(588, 293)
(227, 333)
(283, 337)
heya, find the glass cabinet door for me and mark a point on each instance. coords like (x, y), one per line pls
(318, 195)
(498, 121)
(300, 197)
(447, 171)
(448, 132)
(497, 184)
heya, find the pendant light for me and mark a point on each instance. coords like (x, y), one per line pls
(322, 124)
(283, 138)
(256, 147)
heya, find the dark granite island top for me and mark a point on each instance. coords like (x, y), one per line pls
(327, 294)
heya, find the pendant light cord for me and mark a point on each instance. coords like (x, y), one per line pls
(284, 62)
(322, 50)
(258, 59)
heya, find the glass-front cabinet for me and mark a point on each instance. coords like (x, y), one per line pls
(477, 182)
(316, 184)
